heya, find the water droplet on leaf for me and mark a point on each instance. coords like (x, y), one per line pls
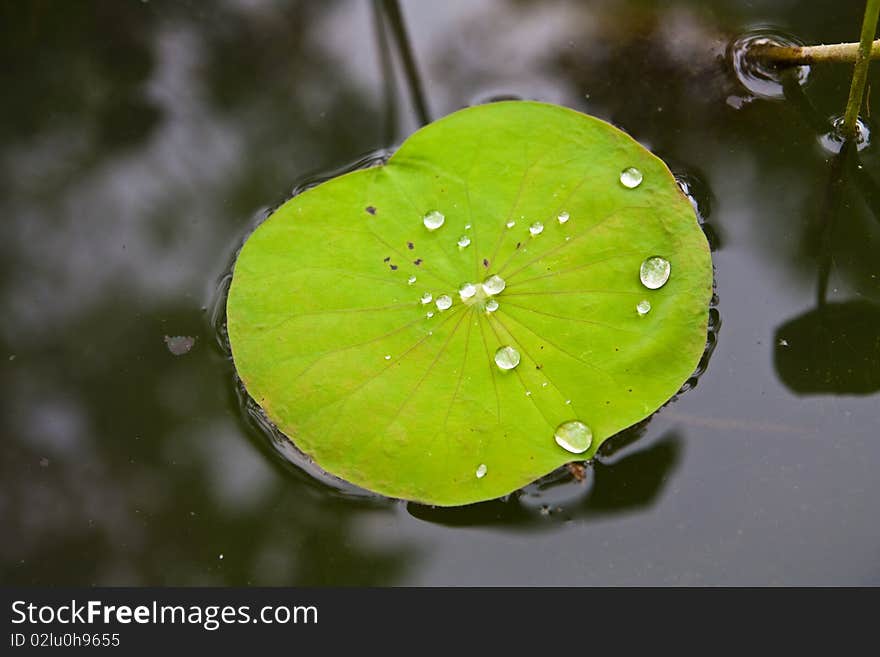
(573, 436)
(491, 306)
(481, 470)
(444, 302)
(643, 307)
(464, 241)
(411, 280)
(433, 220)
(563, 217)
(426, 298)
(494, 285)
(510, 224)
(631, 178)
(506, 358)
(536, 228)
(467, 291)
(654, 272)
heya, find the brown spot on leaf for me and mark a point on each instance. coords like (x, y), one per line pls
(486, 263)
(393, 267)
(388, 259)
(417, 261)
(371, 209)
(410, 246)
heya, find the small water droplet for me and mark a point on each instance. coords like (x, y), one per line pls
(467, 226)
(528, 393)
(411, 280)
(429, 314)
(643, 307)
(563, 217)
(426, 298)
(631, 177)
(387, 356)
(481, 470)
(464, 241)
(568, 401)
(573, 436)
(467, 291)
(491, 306)
(494, 285)
(782, 342)
(654, 272)
(544, 385)
(444, 302)
(506, 358)
(536, 228)
(433, 220)
(510, 224)
(567, 238)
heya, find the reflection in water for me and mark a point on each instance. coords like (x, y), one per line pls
(136, 147)
(132, 149)
(628, 484)
(834, 348)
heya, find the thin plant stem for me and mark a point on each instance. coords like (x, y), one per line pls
(860, 71)
(387, 67)
(414, 81)
(802, 55)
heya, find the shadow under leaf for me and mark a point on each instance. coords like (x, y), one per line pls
(833, 349)
(632, 483)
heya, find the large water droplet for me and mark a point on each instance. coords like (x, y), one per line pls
(654, 272)
(426, 298)
(506, 358)
(433, 220)
(536, 228)
(494, 285)
(482, 470)
(631, 177)
(643, 307)
(464, 241)
(573, 436)
(411, 280)
(563, 217)
(491, 306)
(467, 291)
(444, 302)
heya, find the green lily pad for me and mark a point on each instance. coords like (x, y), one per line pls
(331, 337)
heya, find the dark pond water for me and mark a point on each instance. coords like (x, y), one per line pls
(140, 140)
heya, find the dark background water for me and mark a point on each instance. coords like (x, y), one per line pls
(140, 140)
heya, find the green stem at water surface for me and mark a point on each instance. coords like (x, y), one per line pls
(860, 71)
